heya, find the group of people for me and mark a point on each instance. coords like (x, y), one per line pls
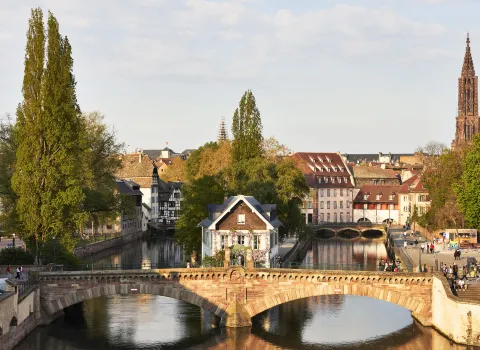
(428, 248)
(457, 254)
(19, 272)
(386, 266)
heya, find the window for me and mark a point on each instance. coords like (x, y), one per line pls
(334, 204)
(109, 227)
(335, 217)
(379, 206)
(392, 206)
(405, 208)
(241, 219)
(421, 210)
(365, 206)
(375, 181)
(256, 242)
(345, 180)
(405, 198)
(321, 193)
(382, 182)
(328, 193)
(325, 179)
(328, 205)
(321, 204)
(390, 197)
(341, 191)
(348, 217)
(341, 204)
(321, 217)
(332, 179)
(310, 205)
(241, 239)
(222, 242)
(365, 196)
(348, 204)
(341, 217)
(328, 217)
(378, 197)
(335, 192)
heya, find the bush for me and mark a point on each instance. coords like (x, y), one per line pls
(54, 251)
(16, 256)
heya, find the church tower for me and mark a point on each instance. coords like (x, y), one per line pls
(222, 131)
(468, 122)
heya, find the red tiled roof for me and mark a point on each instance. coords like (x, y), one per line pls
(384, 193)
(414, 184)
(323, 170)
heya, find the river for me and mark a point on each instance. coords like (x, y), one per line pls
(155, 322)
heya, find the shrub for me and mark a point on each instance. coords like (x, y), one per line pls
(16, 256)
(54, 251)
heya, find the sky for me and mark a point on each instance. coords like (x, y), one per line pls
(355, 76)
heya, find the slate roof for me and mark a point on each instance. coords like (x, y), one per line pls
(128, 188)
(262, 209)
(372, 172)
(373, 157)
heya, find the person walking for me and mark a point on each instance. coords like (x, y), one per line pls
(9, 272)
(423, 248)
(432, 248)
(18, 273)
(405, 244)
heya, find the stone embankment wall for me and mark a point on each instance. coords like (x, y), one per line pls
(18, 316)
(94, 248)
(457, 319)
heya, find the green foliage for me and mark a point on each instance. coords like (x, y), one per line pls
(197, 195)
(468, 188)
(442, 174)
(60, 163)
(247, 129)
(214, 261)
(16, 256)
(46, 180)
(53, 251)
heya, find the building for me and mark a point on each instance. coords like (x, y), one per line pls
(166, 153)
(166, 200)
(127, 222)
(377, 204)
(241, 220)
(380, 158)
(413, 194)
(331, 187)
(374, 175)
(467, 121)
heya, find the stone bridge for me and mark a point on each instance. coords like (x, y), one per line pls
(234, 294)
(349, 230)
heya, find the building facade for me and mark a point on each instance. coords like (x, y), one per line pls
(331, 187)
(413, 194)
(377, 204)
(467, 121)
(166, 200)
(242, 220)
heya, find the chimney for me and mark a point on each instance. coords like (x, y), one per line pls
(139, 157)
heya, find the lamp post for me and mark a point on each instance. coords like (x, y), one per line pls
(14, 250)
(54, 248)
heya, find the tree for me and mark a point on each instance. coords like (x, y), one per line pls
(177, 171)
(209, 160)
(48, 131)
(468, 188)
(430, 152)
(197, 195)
(274, 150)
(247, 129)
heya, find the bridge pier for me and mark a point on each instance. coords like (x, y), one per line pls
(236, 316)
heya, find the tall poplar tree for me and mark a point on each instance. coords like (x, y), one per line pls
(48, 132)
(247, 129)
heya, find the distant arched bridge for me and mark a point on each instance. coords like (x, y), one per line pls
(235, 294)
(349, 230)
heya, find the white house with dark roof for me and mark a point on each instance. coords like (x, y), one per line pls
(241, 220)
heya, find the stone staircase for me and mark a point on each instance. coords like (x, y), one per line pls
(471, 294)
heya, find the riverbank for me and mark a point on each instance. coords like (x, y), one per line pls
(97, 247)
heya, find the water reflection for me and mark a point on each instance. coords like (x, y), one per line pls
(153, 322)
(150, 251)
(362, 253)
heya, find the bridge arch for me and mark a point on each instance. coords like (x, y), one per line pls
(416, 304)
(325, 233)
(170, 291)
(349, 233)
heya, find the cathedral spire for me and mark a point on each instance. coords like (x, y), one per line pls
(222, 131)
(468, 68)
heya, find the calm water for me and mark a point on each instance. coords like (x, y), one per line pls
(154, 322)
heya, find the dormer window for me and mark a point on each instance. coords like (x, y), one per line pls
(365, 197)
(332, 179)
(378, 197)
(375, 181)
(390, 197)
(241, 219)
(326, 179)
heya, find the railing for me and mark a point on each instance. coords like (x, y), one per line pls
(102, 267)
(337, 267)
(26, 288)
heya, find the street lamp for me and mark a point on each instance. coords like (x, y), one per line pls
(54, 247)
(14, 250)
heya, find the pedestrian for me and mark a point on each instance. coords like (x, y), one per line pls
(425, 268)
(18, 273)
(422, 247)
(188, 264)
(21, 272)
(405, 244)
(9, 273)
(455, 270)
(404, 234)
(432, 248)
(416, 242)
